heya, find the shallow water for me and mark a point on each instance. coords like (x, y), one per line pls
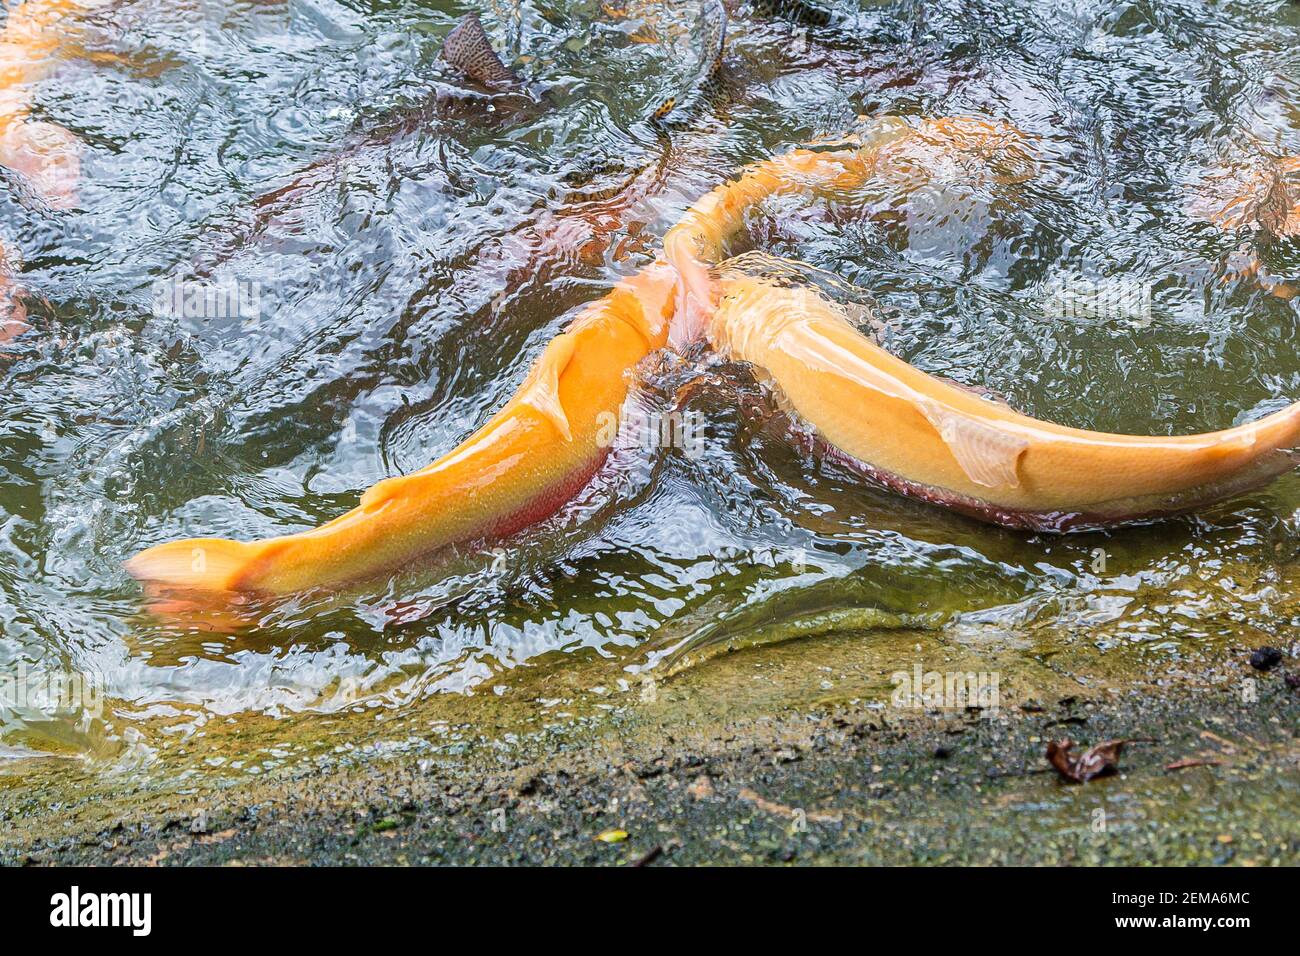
(396, 305)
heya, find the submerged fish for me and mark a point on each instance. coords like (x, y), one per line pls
(13, 316)
(797, 11)
(593, 200)
(923, 436)
(1260, 198)
(467, 50)
(708, 40)
(521, 466)
(46, 155)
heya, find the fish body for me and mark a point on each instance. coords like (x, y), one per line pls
(469, 52)
(699, 240)
(13, 315)
(30, 39)
(1259, 197)
(588, 215)
(932, 439)
(521, 466)
(1273, 210)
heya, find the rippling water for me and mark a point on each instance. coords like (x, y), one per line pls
(407, 246)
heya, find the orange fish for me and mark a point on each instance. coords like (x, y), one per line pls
(521, 466)
(918, 434)
(45, 154)
(935, 440)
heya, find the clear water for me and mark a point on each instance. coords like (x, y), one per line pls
(402, 297)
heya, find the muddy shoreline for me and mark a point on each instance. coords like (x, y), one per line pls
(784, 776)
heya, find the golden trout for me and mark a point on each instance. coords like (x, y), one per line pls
(521, 466)
(915, 433)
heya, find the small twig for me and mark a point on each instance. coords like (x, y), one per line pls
(1193, 762)
(649, 856)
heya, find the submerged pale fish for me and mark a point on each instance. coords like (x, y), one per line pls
(13, 316)
(1258, 197)
(46, 155)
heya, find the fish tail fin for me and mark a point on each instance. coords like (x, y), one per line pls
(541, 391)
(468, 49)
(196, 564)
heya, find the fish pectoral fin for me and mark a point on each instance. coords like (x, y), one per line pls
(990, 456)
(1237, 441)
(386, 490)
(541, 390)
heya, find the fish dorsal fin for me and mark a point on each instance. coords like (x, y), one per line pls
(541, 390)
(990, 456)
(386, 490)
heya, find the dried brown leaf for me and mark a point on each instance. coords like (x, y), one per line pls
(1098, 761)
